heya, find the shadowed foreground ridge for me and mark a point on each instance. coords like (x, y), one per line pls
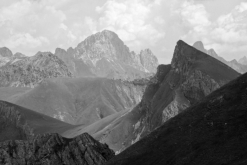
(55, 150)
(28, 137)
(212, 131)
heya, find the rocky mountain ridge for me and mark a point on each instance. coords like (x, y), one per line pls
(105, 55)
(55, 150)
(209, 132)
(102, 54)
(29, 71)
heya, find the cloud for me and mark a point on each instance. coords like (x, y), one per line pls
(26, 39)
(227, 33)
(26, 26)
(131, 20)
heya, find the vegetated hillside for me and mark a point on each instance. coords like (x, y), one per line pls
(18, 123)
(81, 100)
(240, 66)
(212, 131)
(29, 71)
(191, 76)
(104, 54)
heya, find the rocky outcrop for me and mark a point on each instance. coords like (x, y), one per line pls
(105, 55)
(55, 150)
(30, 71)
(191, 76)
(240, 66)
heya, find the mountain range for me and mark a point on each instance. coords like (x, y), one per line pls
(100, 55)
(83, 104)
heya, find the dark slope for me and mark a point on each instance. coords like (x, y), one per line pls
(55, 150)
(212, 131)
(18, 123)
(81, 100)
(191, 76)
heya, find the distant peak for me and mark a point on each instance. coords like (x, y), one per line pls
(199, 45)
(243, 60)
(148, 51)
(6, 52)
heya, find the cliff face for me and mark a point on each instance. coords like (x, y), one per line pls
(105, 55)
(191, 76)
(55, 150)
(209, 132)
(29, 71)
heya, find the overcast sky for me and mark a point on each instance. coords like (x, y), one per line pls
(28, 26)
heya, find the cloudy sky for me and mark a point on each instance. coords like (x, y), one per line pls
(29, 26)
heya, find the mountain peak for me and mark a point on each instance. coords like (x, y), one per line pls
(183, 53)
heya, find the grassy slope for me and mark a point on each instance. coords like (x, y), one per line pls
(38, 122)
(210, 132)
(78, 100)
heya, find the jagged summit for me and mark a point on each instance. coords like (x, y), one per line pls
(106, 55)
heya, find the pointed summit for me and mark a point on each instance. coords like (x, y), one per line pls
(104, 54)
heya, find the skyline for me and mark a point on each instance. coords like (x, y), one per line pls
(29, 26)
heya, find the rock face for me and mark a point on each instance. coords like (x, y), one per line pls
(105, 55)
(55, 150)
(240, 66)
(29, 71)
(191, 76)
(81, 100)
(209, 132)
